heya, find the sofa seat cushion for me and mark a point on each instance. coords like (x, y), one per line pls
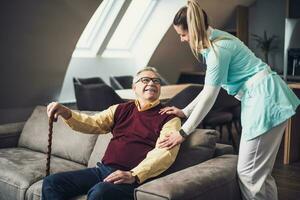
(21, 167)
(66, 143)
(34, 192)
(212, 179)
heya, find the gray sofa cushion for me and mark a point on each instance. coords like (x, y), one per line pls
(34, 192)
(35, 136)
(198, 147)
(20, 167)
(212, 179)
(99, 149)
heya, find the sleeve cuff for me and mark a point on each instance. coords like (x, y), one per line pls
(136, 177)
(186, 112)
(183, 133)
(140, 176)
(186, 130)
(72, 119)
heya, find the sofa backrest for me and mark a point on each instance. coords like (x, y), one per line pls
(198, 147)
(99, 149)
(66, 143)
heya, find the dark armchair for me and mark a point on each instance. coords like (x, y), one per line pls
(95, 96)
(86, 81)
(121, 82)
(183, 98)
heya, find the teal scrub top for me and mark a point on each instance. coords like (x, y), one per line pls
(265, 105)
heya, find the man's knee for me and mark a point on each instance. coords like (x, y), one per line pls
(48, 187)
(102, 191)
(47, 182)
(51, 182)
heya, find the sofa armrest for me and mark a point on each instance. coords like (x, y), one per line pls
(10, 133)
(222, 149)
(213, 179)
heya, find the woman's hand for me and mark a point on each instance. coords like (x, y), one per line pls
(171, 140)
(172, 110)
(55, 109)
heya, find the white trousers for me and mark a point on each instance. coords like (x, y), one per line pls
(255, 164)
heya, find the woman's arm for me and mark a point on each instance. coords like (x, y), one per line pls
(189, 108)
(205, 101)
(207, 98)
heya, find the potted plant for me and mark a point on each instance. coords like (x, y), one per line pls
(265, 44)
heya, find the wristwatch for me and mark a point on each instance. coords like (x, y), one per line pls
(183, 134)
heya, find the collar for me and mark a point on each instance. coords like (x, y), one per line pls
(148, 106)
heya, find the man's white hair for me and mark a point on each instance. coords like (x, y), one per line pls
(150, 69)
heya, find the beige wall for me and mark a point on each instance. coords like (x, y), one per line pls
(37, 40)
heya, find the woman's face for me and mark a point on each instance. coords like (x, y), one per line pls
(183, 34)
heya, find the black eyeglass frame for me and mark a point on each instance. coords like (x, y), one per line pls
(156, 81)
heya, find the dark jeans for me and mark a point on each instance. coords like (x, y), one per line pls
(88, 181)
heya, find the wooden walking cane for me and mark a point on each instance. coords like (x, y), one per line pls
(50, 132)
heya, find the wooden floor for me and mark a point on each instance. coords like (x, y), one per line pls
(287, 178)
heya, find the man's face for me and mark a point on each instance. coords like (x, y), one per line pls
(147, 88)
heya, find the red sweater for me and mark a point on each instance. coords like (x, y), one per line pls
(134, 134)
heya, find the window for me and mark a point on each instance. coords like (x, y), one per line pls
(98, 27)
(130, 26)
(114, 28)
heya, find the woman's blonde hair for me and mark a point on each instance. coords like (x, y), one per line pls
(197, 28)
(194, 19)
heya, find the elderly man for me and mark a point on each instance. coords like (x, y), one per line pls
(132, 155)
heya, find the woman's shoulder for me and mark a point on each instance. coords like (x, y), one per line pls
(222, 37)
(221, 42)
(220, 33)
(225, 42)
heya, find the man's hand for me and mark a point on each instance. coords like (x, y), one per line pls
(55, 109)
(119, 176)
(171, 140)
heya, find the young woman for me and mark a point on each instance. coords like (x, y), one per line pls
(266, 101)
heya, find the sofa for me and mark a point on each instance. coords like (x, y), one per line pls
(202, 170)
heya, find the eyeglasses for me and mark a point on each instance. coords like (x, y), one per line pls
(146, 80)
